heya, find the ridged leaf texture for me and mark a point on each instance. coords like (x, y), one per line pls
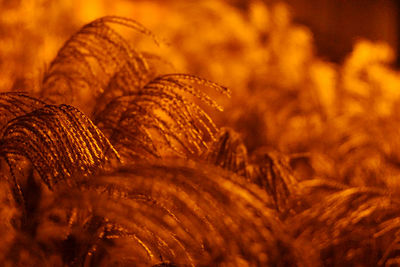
(94, 57)
(59, 141)
(161, 118)
(195, 215)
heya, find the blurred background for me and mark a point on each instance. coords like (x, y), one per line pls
(336, 25)
(31, 31)
(311, 77)
(317, 81)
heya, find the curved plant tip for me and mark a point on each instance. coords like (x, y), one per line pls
(92, 58)
(162, 118)
(178, 214)
(58, 141)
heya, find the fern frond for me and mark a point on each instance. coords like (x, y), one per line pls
(229, 152)
(271, 171)
(268, 169)
(193, 215)
(161, 118)
(59, 141)
(90, 59)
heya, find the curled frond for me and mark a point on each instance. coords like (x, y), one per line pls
(268, 169)
(14, 104)
(187, 215)
(91, 58)
(160, 118)
(229, 152)
(59, 141)
(272, 172)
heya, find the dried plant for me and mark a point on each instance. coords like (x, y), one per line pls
(268, 169)
(272, 172)
(161, 116)
(59, 142)
(93, 61)
(147, 214)
(304, 173)
(229, 152)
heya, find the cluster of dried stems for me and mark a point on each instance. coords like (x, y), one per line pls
(146, 178)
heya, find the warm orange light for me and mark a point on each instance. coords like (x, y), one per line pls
(114, 149)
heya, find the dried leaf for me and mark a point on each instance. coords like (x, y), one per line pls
(188, 215)
(91, 59)
(59, 141)
(160, 118)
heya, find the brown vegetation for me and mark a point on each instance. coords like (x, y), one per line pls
(112, 159)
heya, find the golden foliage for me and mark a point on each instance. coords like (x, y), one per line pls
(157, 117)
(304, 173)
